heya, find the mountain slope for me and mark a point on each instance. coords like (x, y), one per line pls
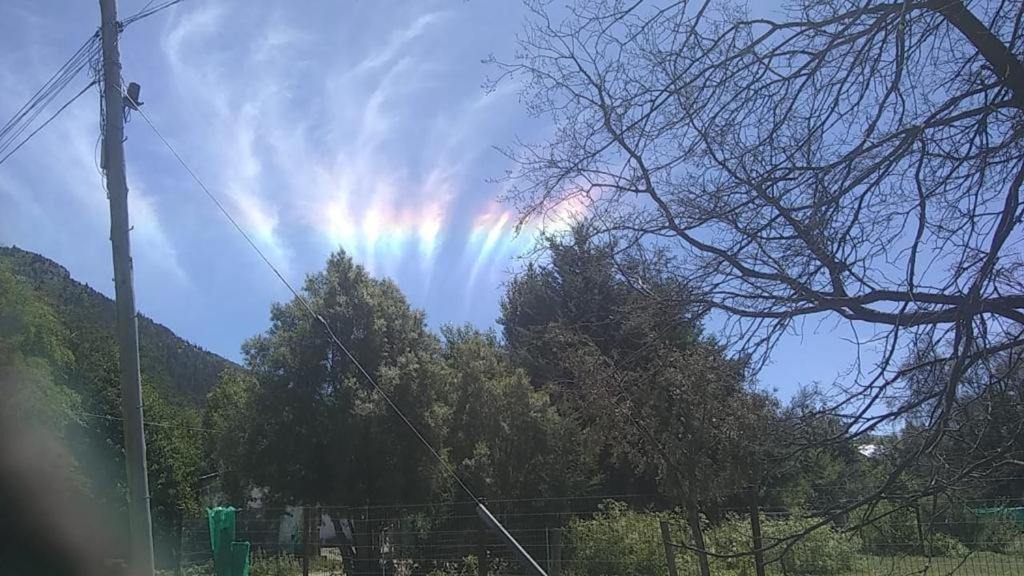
(173, 364)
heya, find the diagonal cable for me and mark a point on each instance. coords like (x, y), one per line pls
(305, 303)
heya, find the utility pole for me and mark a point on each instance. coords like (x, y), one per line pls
(141, 553)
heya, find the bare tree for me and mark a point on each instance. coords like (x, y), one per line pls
(856, 161)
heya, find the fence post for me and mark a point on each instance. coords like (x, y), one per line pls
(925, 549)
(670, 550)
(693, 519)
(555, 565)
(755, 529)
(482, 565)
(179, 545)
(305, 541)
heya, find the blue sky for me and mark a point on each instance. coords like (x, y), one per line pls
(321, 125)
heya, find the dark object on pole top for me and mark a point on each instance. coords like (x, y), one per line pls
(132, 99)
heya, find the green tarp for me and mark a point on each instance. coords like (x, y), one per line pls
(1016, 514)
(230, 558)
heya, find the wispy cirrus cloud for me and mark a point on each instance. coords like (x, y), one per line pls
(371, 152)
(231, 102)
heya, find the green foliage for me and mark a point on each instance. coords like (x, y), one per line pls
(632, 365)
(466, 567)
(821, 475)
(945, 545)
(622, 542)
(617, 542)
(70, 387)
(29, 327)
(822, 551)
(263, 564)
(324, 435)
(506, 438)
(893, 530)
(994, 532)
(178, 368)
(469, 565)
(228, 416)
(889, 529)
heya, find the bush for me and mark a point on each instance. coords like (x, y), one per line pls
(995, 532)
(823, 551)
(468, 567)
(893, 531)
(263, 564)
(617, 542)
(949, 533)
(945, 545)
(622, 542)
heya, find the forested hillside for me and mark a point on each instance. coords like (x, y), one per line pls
(59, 373)
(169, 362)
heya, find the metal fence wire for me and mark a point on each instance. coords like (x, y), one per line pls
(585, 537)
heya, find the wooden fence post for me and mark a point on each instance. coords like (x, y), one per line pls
(755, 529)
(555, 565)
(925, 549)
(482, 565)
(305, 541)
(670, 549)
(693, 519)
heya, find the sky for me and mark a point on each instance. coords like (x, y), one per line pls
(321, 125)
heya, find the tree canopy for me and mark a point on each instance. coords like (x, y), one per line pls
(856, 163)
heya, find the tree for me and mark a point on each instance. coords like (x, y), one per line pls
(507, 439)
(625, 351)
(324, 435)
(229, 418)
(853, 161)
(986, 417)
(174, 450)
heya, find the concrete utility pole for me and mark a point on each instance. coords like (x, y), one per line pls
(141, 555)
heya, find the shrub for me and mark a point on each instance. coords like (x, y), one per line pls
(617, 542)
(468, 567)
(823, 551)
(892, 531)
(995, 532)
(945, 545)
(263, 564)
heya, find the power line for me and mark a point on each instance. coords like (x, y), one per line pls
(12, 130)
(147, 423)
(327, 328)
(145, 12)
(47, 121)
(90, 45)
(31, 109)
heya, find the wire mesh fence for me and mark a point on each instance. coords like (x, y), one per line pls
(589, 536)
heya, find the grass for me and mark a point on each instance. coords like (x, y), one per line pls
(976, 564)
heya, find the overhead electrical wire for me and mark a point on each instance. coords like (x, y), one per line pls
(59, 79)
(305, 304)
(174, 425)
(47, 121)
(11, 132)
(146, 11)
